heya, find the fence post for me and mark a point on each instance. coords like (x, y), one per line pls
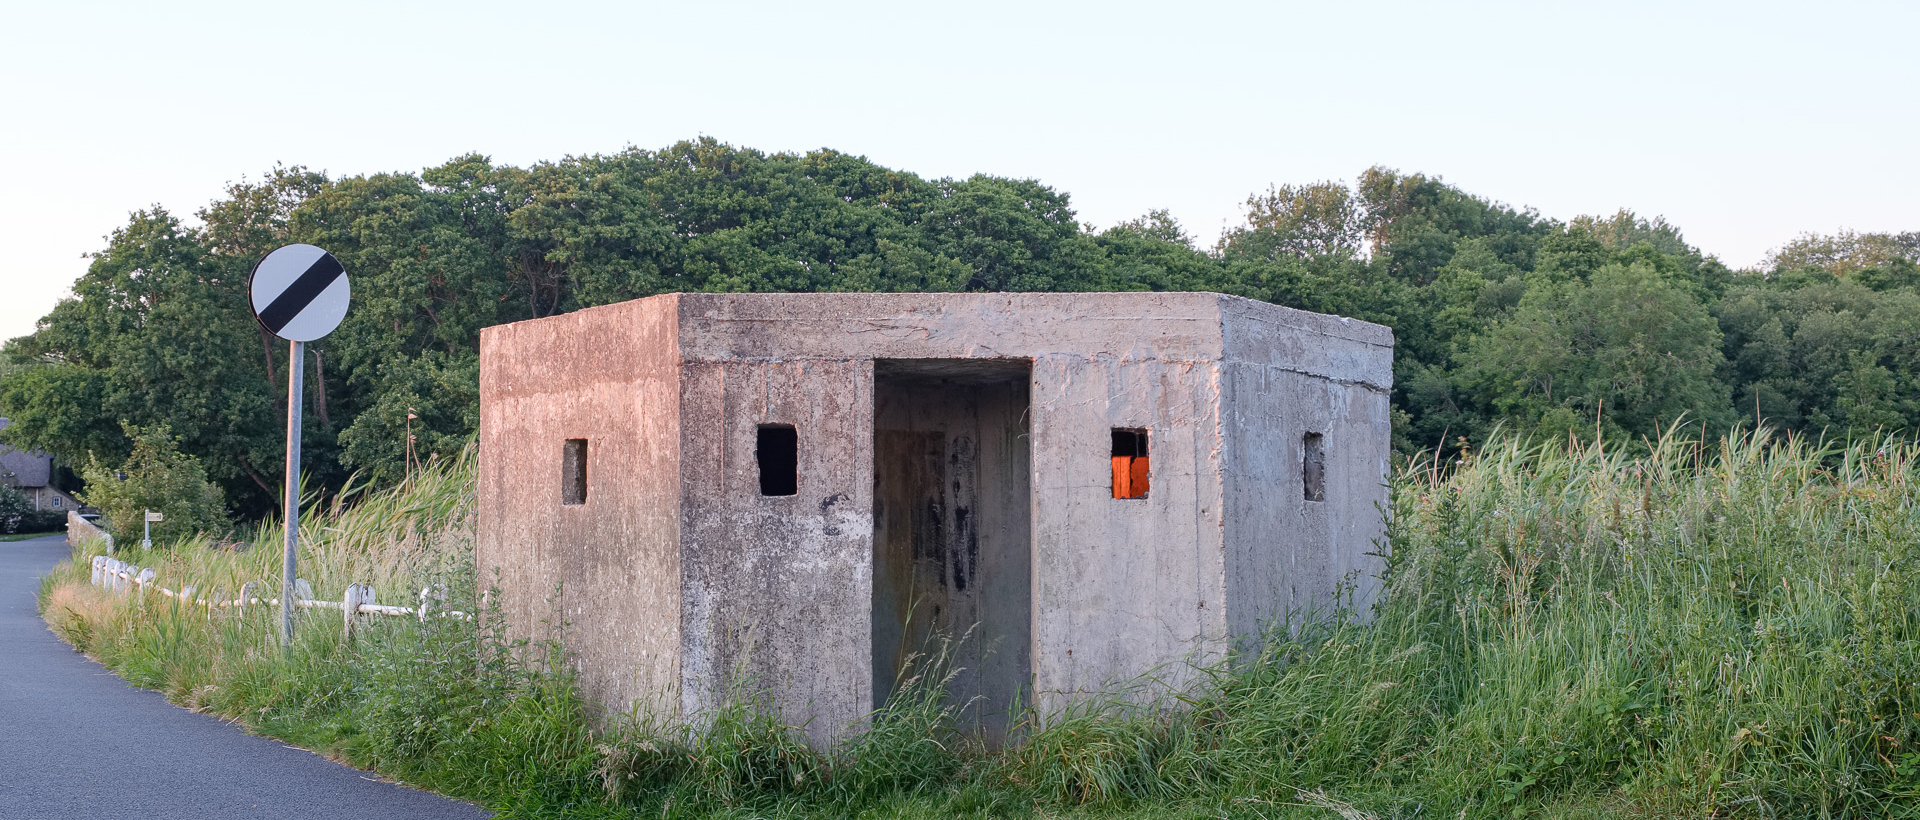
(350, 606)
(433, 600)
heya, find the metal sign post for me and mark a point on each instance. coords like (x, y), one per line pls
(146, 528)
(289, 565)
(299, 293)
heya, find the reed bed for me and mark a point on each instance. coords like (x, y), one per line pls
(1668, 629)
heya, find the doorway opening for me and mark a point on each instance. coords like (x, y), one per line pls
(952, 530)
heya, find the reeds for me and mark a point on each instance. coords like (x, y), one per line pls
(1677, 629)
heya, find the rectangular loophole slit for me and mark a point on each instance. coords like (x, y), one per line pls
(573, 472)
(1313, 468)
(778, 453)
(1129, 463)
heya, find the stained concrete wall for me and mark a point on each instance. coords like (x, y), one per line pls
(609, 569)
(778, 591)
(1124, 587)
(1290, 373)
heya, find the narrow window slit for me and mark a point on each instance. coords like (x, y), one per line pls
(778, 453)
(573, 472)
(1129, 463)
(1313, 468)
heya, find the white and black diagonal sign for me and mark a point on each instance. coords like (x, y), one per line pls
(299, 293)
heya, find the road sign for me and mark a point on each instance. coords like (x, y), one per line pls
(299, 293)
(156, 517)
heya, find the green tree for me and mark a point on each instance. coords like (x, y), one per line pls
(1629, 351)
(1414, 222)
(157, 333)
(1155, 253)
(1014, 235)
(1811, 352)
(1845, 252)
(1498, 314)
(155, 476)
(1302, 221)
(442, 392)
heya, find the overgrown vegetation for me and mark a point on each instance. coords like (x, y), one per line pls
(17, 515)
(1501, 315)
(1570, 630)
(156, 477)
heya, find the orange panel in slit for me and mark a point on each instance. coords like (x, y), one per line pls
(1129, 476)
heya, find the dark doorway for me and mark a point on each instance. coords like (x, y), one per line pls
(952, 529)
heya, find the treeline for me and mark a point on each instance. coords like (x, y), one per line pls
(1611, 324)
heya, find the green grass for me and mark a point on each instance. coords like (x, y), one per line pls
(1672, 630)
(22, 536)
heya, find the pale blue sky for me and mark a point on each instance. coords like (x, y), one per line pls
(1743, 123)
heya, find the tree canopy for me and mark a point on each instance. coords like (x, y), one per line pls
(1609, 325)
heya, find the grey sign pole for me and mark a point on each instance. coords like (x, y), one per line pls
(289, 566)
(299, 293)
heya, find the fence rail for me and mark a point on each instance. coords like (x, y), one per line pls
(121, 576)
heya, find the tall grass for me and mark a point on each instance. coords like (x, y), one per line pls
(1673, 630)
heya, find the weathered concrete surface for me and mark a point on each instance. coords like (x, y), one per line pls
(677, 570)
(605, 575)
(1289, 373)
(777, 589)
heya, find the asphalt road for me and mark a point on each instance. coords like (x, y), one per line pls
(78, 742)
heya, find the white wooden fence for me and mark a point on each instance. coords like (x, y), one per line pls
(120, 576)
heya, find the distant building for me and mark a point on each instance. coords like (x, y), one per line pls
(802, 491)
(31, 473)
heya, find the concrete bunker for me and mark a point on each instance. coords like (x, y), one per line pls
(802, 491)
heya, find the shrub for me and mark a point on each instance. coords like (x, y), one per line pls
(17, 514)
(157, 477)
(42, 521)
(14, 506)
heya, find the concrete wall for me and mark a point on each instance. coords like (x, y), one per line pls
(778, 588)
(608, 568)
(1124, 587)
(1290, 373)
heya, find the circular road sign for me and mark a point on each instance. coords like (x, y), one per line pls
(299, 293)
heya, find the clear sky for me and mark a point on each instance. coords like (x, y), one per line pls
(1743, 123)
